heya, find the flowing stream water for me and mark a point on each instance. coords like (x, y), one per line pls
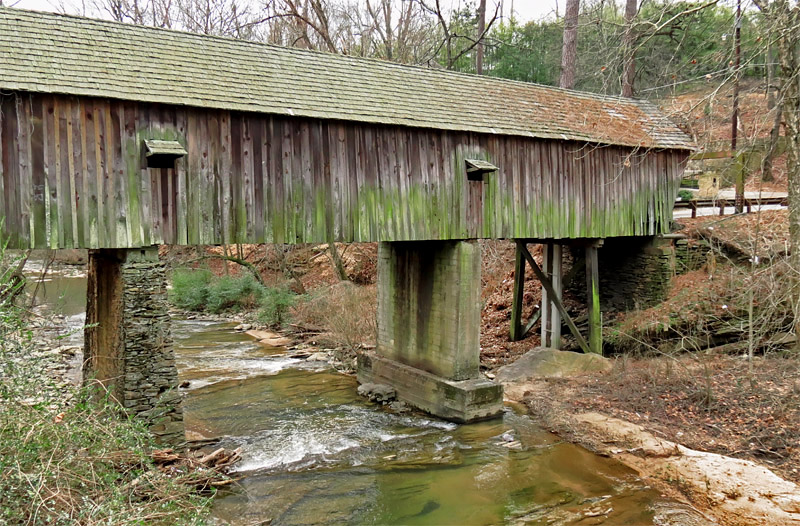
(316, 453)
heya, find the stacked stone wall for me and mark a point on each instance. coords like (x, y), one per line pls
(635, 272)
(128, 342)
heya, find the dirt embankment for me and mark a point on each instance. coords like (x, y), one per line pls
(726, 490)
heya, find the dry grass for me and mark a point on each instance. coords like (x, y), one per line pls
(85, 464)
(342, 315)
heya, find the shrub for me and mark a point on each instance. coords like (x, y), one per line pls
(233, 293)
(344, 311)
(685, 195)
(275, 304)
(190, 289)
(85, 464)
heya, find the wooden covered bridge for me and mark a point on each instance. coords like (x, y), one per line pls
(118, 138)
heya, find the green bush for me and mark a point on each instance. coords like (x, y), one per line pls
(275, 304)
(190, 289)
(685, 195)
(233, 293)
(200, 290)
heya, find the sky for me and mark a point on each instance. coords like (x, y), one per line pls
(525, 9)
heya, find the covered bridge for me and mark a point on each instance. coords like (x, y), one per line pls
(117, 138)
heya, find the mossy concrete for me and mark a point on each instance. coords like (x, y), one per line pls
(429, 329)
(461, 401)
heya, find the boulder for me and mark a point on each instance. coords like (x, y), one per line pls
(542, 362)
(318, 357)
(269, 338)
(276, 342)
(261, 335)
(379, 393)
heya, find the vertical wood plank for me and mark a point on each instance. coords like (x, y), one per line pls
(73, 177)
(593, 300)
(51, 169)
(9, 167)
(256, 211)
(78, 169)
(38, 194)
(111, 184)
(182, 199)
(555, 279)
(547, 264)
(519, 292)
(25, 183)
(131, 154)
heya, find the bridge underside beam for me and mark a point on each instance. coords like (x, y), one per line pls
(127, 343)
(429, 330)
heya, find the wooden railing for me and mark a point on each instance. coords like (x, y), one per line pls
(694, 204)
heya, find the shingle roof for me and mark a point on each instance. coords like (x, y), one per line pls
(50, 53)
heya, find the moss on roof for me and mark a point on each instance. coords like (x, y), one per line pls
(51, 53)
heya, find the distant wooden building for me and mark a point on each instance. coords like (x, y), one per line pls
(288, 146)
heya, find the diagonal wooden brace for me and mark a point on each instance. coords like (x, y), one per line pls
(554, 298)
(518, 331)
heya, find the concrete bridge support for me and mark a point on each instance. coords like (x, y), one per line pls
(128, 347)
(429, 330)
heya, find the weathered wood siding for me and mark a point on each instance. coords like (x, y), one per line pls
(74, 175)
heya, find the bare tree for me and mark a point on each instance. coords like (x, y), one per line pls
(785, 25)
(629, 51)
(481, 29)
(450, 37)
(569, 53)
(774, 104)
(397, 32)
(313, 22)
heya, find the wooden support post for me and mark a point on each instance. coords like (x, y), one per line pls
(519, 290)
(740, 175)
(593, 301)
(556, 303)
(547, 262)
(555, 280)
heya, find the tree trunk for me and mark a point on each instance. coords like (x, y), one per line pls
(481, 29)
(629, 53)
(774, 137)
(569, 50)
(770, 77)
(786, 18)
(772, 104)
(338, 266)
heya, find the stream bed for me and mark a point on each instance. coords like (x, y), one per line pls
(315, 453)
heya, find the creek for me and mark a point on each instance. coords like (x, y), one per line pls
(316, 453)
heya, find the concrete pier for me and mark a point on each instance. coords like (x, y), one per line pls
(429, 330)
